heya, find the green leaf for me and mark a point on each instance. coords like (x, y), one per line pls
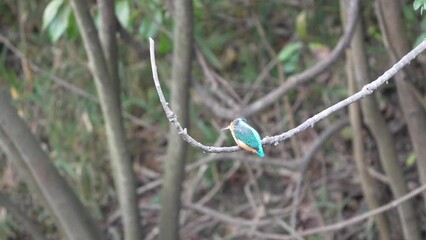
(122, 10)
(301, 26)
(50, 12)
(148, 28)
(288, 51)
(411, 159)
(60, 24)
(165, 44)
(72, 30)
(419, 4)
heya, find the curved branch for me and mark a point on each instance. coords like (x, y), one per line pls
(172, 116)
(294, 80)
(275, 140)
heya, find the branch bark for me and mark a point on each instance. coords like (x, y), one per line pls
(107, 35)
(24, 150)
(106, 84)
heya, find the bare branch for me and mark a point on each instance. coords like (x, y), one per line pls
(172, 116)
(226, 218)
(275, 140)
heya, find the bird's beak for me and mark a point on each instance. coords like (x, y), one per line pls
(223, 129)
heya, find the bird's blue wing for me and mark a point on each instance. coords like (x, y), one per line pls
(248, 135)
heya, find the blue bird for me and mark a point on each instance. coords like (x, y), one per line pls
(245, 136)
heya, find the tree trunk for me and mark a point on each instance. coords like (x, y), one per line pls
(107, 88)
(369, 187)
(388, 155)
(177, 148)
(393, 29)
(21, 146)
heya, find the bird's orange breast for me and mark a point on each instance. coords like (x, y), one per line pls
(245, 146)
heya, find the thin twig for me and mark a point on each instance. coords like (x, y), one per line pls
(275, 140)
(191, 230)
(288, 228)
(172, 116)
(226, 218)
(378, 176)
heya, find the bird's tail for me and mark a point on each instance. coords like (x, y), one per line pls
(260, 152)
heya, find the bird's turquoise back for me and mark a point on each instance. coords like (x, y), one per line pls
(249, 136)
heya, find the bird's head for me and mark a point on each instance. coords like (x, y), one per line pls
(234, 123)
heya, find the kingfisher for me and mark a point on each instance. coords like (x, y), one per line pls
(245, 136)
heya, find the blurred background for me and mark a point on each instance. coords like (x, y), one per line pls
(237, 53)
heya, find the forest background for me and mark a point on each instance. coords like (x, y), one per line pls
(88, 152)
